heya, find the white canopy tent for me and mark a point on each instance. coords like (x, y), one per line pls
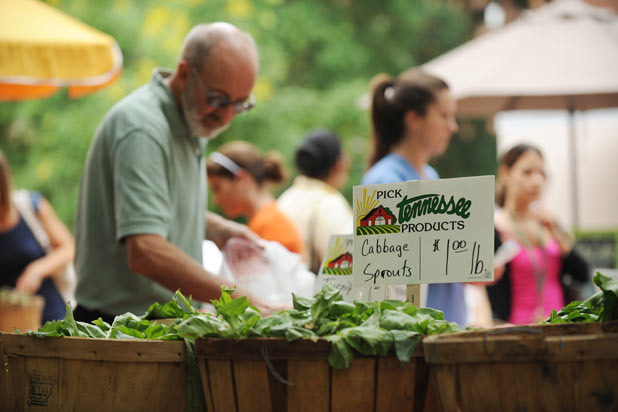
(563, 55)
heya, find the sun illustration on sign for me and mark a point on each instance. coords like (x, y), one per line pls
(365, 206)
(339, 259)
(374, 218)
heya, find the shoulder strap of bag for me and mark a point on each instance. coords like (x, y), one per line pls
(23, 203)
(65, 280)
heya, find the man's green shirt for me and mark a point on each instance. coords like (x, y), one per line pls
(144, 174)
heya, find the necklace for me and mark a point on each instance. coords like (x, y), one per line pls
(539, 266)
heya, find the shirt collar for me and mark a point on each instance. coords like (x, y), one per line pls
(170, 107)
(303, 180)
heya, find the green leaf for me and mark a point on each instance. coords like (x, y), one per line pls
(405, 343)
(122, 320)
(196, 401)
(391, 304)
(104, 326)
(340, 308)
(394, 319)
(188, 303)
(322, 301)
(368, 340)
(274, 325)
(171, 309)
(155, 331)
(204, 325)
(434, 313)
(53, 328)
(341, 354)
(124, 332)
(69, 322)
(605, 283)
(301, 303)
(295, 332)
(90, 331)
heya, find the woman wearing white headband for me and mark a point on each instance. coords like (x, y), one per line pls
(240, 178)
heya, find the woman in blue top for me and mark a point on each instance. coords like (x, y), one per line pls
(413, 118)
(24, 264)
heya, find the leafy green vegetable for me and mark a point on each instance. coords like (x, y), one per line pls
(341, 354)
(238, 313)
(602, 306)
(359, 328)
(609, 287)
(204, 325)
(405, 343)
(171, 309)
(69, 327)
(301, 302)
(323, 300)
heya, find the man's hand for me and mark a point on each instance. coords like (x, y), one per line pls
(220, 230)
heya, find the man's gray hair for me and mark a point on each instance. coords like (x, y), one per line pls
(201, 39)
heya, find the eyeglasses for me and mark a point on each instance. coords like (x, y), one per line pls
(220, 100)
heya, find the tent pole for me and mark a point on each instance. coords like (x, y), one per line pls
(574, 168)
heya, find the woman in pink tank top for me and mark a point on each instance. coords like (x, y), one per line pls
(535, 287)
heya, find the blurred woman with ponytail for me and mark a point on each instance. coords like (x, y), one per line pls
(413, 119)
(240, 178)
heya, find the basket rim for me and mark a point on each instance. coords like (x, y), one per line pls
(115, 350)
(277, 348)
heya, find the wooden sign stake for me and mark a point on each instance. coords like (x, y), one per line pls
(413, 294)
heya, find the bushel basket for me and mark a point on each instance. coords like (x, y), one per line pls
(261, 374)
(564, 367)
(80, 374)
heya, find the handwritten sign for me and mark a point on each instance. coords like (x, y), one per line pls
(336, 269)
(427, 231)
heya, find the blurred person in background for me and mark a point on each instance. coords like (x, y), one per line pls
(24, 262)
(413, 119)
(314, 201)
(141, 214)
(531, 283)
(241, 179)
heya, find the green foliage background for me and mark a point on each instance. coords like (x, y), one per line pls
(317, 58)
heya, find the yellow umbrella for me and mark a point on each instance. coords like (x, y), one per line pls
(42, 49)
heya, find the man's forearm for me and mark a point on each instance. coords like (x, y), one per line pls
(159, 260)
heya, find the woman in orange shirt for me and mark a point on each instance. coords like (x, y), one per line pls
(240, 178)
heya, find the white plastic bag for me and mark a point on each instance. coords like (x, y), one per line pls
(274, 272)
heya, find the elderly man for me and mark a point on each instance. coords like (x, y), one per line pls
(141, 211)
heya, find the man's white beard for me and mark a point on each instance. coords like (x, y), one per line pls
(193, 119)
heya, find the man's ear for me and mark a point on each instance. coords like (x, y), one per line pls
(183, 72)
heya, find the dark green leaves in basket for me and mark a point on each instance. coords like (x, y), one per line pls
(602, 306)
(359, 328)
(238, 313)
(70, 327)
(172, 309)
(609, 305)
